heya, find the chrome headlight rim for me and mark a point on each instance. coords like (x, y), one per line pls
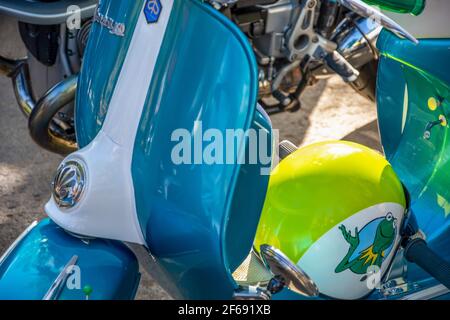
(69, 184)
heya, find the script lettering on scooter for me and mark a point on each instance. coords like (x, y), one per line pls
(114, 27)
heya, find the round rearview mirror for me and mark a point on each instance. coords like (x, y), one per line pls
(291, 276)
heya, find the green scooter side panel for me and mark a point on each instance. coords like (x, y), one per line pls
(413, 92)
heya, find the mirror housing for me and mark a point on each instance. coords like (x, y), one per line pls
(286, 273)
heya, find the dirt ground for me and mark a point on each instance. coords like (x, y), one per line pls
(331, 110)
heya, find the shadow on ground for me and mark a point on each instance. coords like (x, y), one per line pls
(294, 126)
(367, 135)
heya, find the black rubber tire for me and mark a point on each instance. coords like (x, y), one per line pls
(366, 83)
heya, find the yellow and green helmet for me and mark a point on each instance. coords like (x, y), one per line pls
(335, 209)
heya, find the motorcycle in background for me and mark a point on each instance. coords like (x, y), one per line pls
(298, 42)
(129, 197)
(295, 42)
(45, 81)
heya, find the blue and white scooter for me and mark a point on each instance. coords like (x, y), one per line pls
(152, 67)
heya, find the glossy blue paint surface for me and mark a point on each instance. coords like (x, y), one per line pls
(199, 220)
(247, 200)
(102, 63)
(422, 165)
(108, 267)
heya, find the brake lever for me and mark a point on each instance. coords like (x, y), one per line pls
(367, 11)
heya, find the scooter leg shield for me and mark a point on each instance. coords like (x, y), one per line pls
(47, 263)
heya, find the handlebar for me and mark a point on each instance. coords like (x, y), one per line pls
(418, 252)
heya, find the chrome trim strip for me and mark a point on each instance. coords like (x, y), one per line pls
(17, 241)
(153, 268)
(57, 286)
(428, 293)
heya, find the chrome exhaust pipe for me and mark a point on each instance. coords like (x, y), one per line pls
(22, 89)
(42, 115)
(17, 70)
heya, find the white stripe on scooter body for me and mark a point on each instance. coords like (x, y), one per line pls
(107, 208)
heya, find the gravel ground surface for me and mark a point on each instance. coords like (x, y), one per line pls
(331, 110)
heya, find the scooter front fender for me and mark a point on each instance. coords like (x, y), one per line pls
(46, 262)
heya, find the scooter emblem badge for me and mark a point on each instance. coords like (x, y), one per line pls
(152, 10)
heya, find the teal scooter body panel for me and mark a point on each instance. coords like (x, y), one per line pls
(33, 265)
(197, 217)
(102, 63)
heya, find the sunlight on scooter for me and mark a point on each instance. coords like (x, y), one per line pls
(152, 186)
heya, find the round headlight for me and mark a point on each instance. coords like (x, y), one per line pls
(69, 184)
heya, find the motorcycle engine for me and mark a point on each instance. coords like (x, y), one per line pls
(265, 23)
(284, 38)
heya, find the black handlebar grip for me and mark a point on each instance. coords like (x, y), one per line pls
(418, 252)
(341, 66)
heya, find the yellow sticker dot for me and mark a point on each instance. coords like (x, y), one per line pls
(443, 120)
(433, 104)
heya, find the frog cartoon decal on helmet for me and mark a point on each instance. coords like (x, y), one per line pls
(335, 209)
(374, 254)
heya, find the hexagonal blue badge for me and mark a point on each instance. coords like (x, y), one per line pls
(152, 10)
